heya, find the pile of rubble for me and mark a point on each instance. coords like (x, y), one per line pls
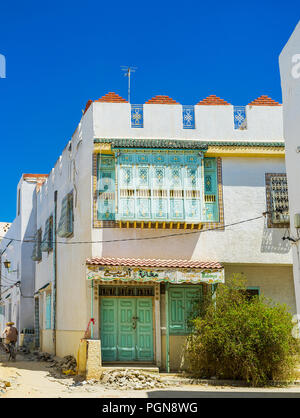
(67, 365)
(131, 379)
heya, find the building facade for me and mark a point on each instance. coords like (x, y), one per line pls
(17, 267)
(147, 209)
(289, 61)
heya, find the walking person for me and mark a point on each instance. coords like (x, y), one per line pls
(10, 334)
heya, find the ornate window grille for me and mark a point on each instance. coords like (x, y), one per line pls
(137, 116)
(277, 200)
(240, 117)
(188, 117)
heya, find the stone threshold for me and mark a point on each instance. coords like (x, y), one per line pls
(150, 368)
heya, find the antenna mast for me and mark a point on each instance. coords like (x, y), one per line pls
(128, 70)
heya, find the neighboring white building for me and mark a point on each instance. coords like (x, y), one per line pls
(289, 62)
(131, 176)
(17, 278)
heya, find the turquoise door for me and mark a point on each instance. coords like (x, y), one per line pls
(126, 329)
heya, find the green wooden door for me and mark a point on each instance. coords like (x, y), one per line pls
(144, 330)
(126, 340)
(108, 324)
(126, 329)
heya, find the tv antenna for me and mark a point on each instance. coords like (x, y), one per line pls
(128, 70)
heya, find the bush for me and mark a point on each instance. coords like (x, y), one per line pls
(235, 337)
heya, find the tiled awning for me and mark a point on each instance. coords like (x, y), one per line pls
(175, 271)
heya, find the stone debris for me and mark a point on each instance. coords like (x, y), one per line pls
(131, 379)
(66, 365)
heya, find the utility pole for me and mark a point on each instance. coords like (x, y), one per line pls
(128, 70)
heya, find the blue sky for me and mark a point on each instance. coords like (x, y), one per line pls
(61, 54)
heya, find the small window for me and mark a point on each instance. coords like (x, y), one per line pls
(65, 225)
(251, 292)
(277, 200)
(37, 252)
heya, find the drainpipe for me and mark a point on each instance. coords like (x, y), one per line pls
(92, 309)
(167, 330)
(53, 288)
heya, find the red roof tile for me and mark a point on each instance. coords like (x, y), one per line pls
(162, 100)
(213, 100)
(151, 262)
(88, 104)
(111, 97)
(264, 101)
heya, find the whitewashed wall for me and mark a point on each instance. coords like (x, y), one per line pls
(289, 61)
(112, 120)
(19, 253)
(72, 171)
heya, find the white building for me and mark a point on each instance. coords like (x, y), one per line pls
(147, 199)
(17, 277)
(289, 62)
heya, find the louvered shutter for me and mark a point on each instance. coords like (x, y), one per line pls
(37, 253)
(65, 224)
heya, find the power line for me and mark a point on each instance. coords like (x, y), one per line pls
(144, 238)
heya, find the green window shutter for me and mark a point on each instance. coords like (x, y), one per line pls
(70, 214)
(48, 311)
(65, 224)
(37, 253)
(211, 190)
(47, 242)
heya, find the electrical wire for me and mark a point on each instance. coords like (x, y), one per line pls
(141, 239)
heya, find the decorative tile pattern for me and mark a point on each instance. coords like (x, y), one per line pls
(188, 117)
(137, 116)
(240, 118)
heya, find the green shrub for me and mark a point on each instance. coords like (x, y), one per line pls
(236, 337)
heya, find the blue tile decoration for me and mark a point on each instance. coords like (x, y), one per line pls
(240, 117)
(188, 117)
(137, 116)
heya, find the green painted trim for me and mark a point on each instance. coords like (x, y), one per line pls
(167, 330)
(183, 144)
(153, 143)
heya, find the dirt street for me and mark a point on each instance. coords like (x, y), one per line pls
(33, 379)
